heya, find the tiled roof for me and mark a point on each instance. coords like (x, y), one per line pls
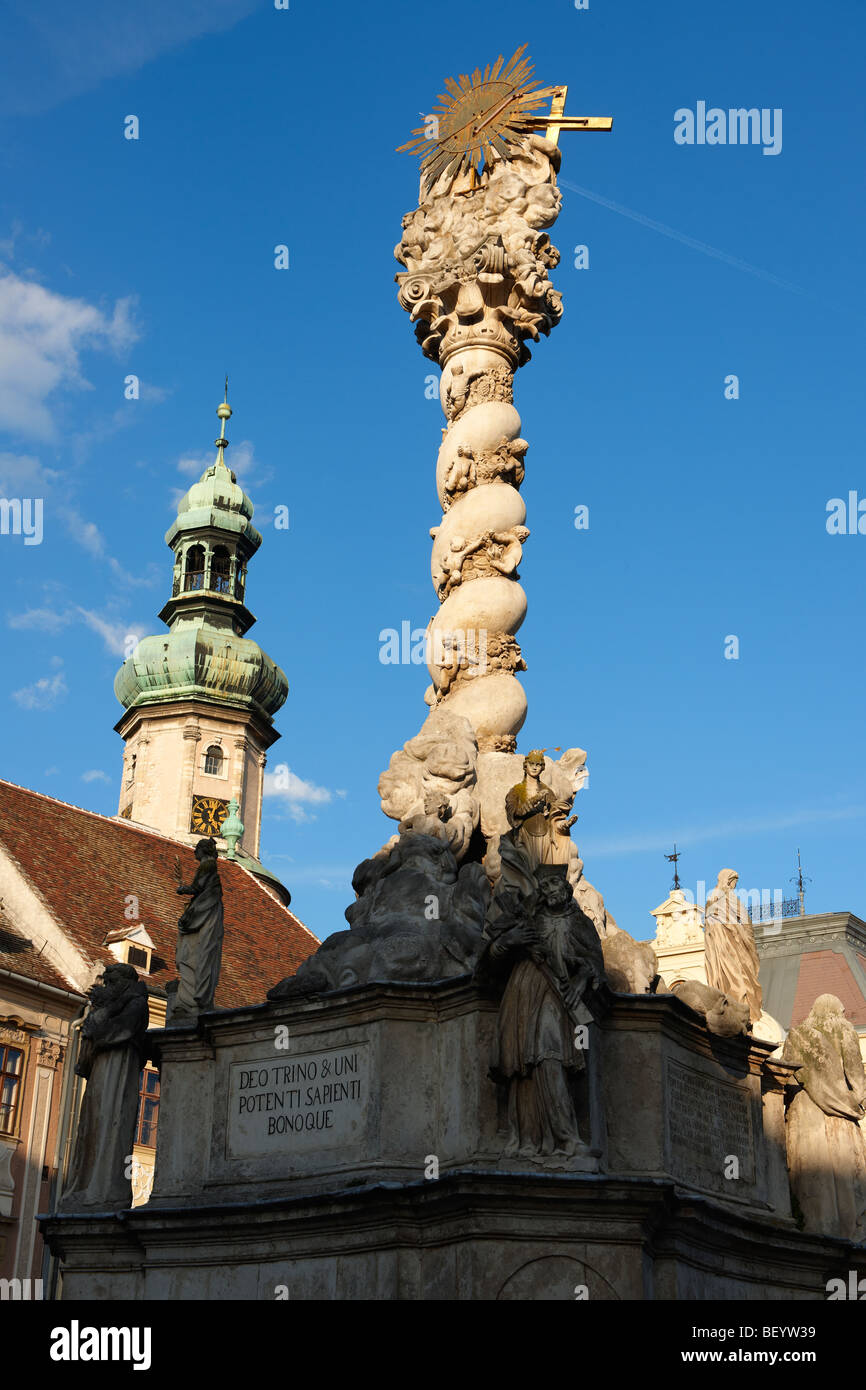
(85, 867)
(827, 972)
(23, 957)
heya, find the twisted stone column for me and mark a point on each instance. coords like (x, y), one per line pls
(476, 286)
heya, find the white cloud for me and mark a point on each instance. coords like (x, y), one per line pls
(57, 52)
(43, 694)
(657, 840)
(152, 395)
(39, 620)
(86, 533)
(193, 465)
(95, 775)
(22, 475)
(42, 336)
(241, 459)
(118, 637)
(294, 793)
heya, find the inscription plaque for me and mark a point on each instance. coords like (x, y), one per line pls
(311, 1100)
(708, 1122)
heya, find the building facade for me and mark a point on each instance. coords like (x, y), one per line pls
(79, 890)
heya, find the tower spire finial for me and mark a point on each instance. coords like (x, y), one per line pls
(674, 859)
(224, 412)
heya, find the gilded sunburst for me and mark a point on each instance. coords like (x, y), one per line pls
(491, 111)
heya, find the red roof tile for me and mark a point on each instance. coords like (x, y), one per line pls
(22, 956)
(85, 866)
(827, 972)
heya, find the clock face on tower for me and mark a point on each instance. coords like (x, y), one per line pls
(207, 815)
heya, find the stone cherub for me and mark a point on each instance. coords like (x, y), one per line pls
(505, 549)
(111, 1058)
(199, 939)
(457, 393)
(457, 656)
(552, 957)
(504, 464)
(461, 476)
(469, 469)
(453, 560)
(493, 552)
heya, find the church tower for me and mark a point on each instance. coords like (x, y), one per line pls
(199, 700)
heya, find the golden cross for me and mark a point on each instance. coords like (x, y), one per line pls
(553, 123)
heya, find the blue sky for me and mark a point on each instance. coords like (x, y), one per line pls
(707, 516)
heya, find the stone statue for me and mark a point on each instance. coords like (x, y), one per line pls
(453, 561)
(826, 1147)
(416, 917)
(440, 759)
(199, 939)
(461, 476)
(538, 820)
(456, 250)
(631, 966)
(509, 844)
(504, 464)
(506, 550)
(554, 957)
(731, 956)
(727, 1018)
(475, 279)
(111, 1057)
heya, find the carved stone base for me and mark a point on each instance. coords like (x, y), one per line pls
(378, 1173)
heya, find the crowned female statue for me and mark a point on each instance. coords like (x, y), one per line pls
(538, 818)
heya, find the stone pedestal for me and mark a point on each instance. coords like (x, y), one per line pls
(350, 1147)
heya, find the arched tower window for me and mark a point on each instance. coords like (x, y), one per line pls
(194, 569)
(213, 760)
(240, 581)
(220, 568)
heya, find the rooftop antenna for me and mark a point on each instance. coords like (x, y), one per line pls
(673, 859)
(800, 879)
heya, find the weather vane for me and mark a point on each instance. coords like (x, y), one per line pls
(674, 859)
(488, 115)
(801, 880)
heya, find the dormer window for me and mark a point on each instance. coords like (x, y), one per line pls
(213, 761)
(131, 946)
(194, 569)
(220, 570)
